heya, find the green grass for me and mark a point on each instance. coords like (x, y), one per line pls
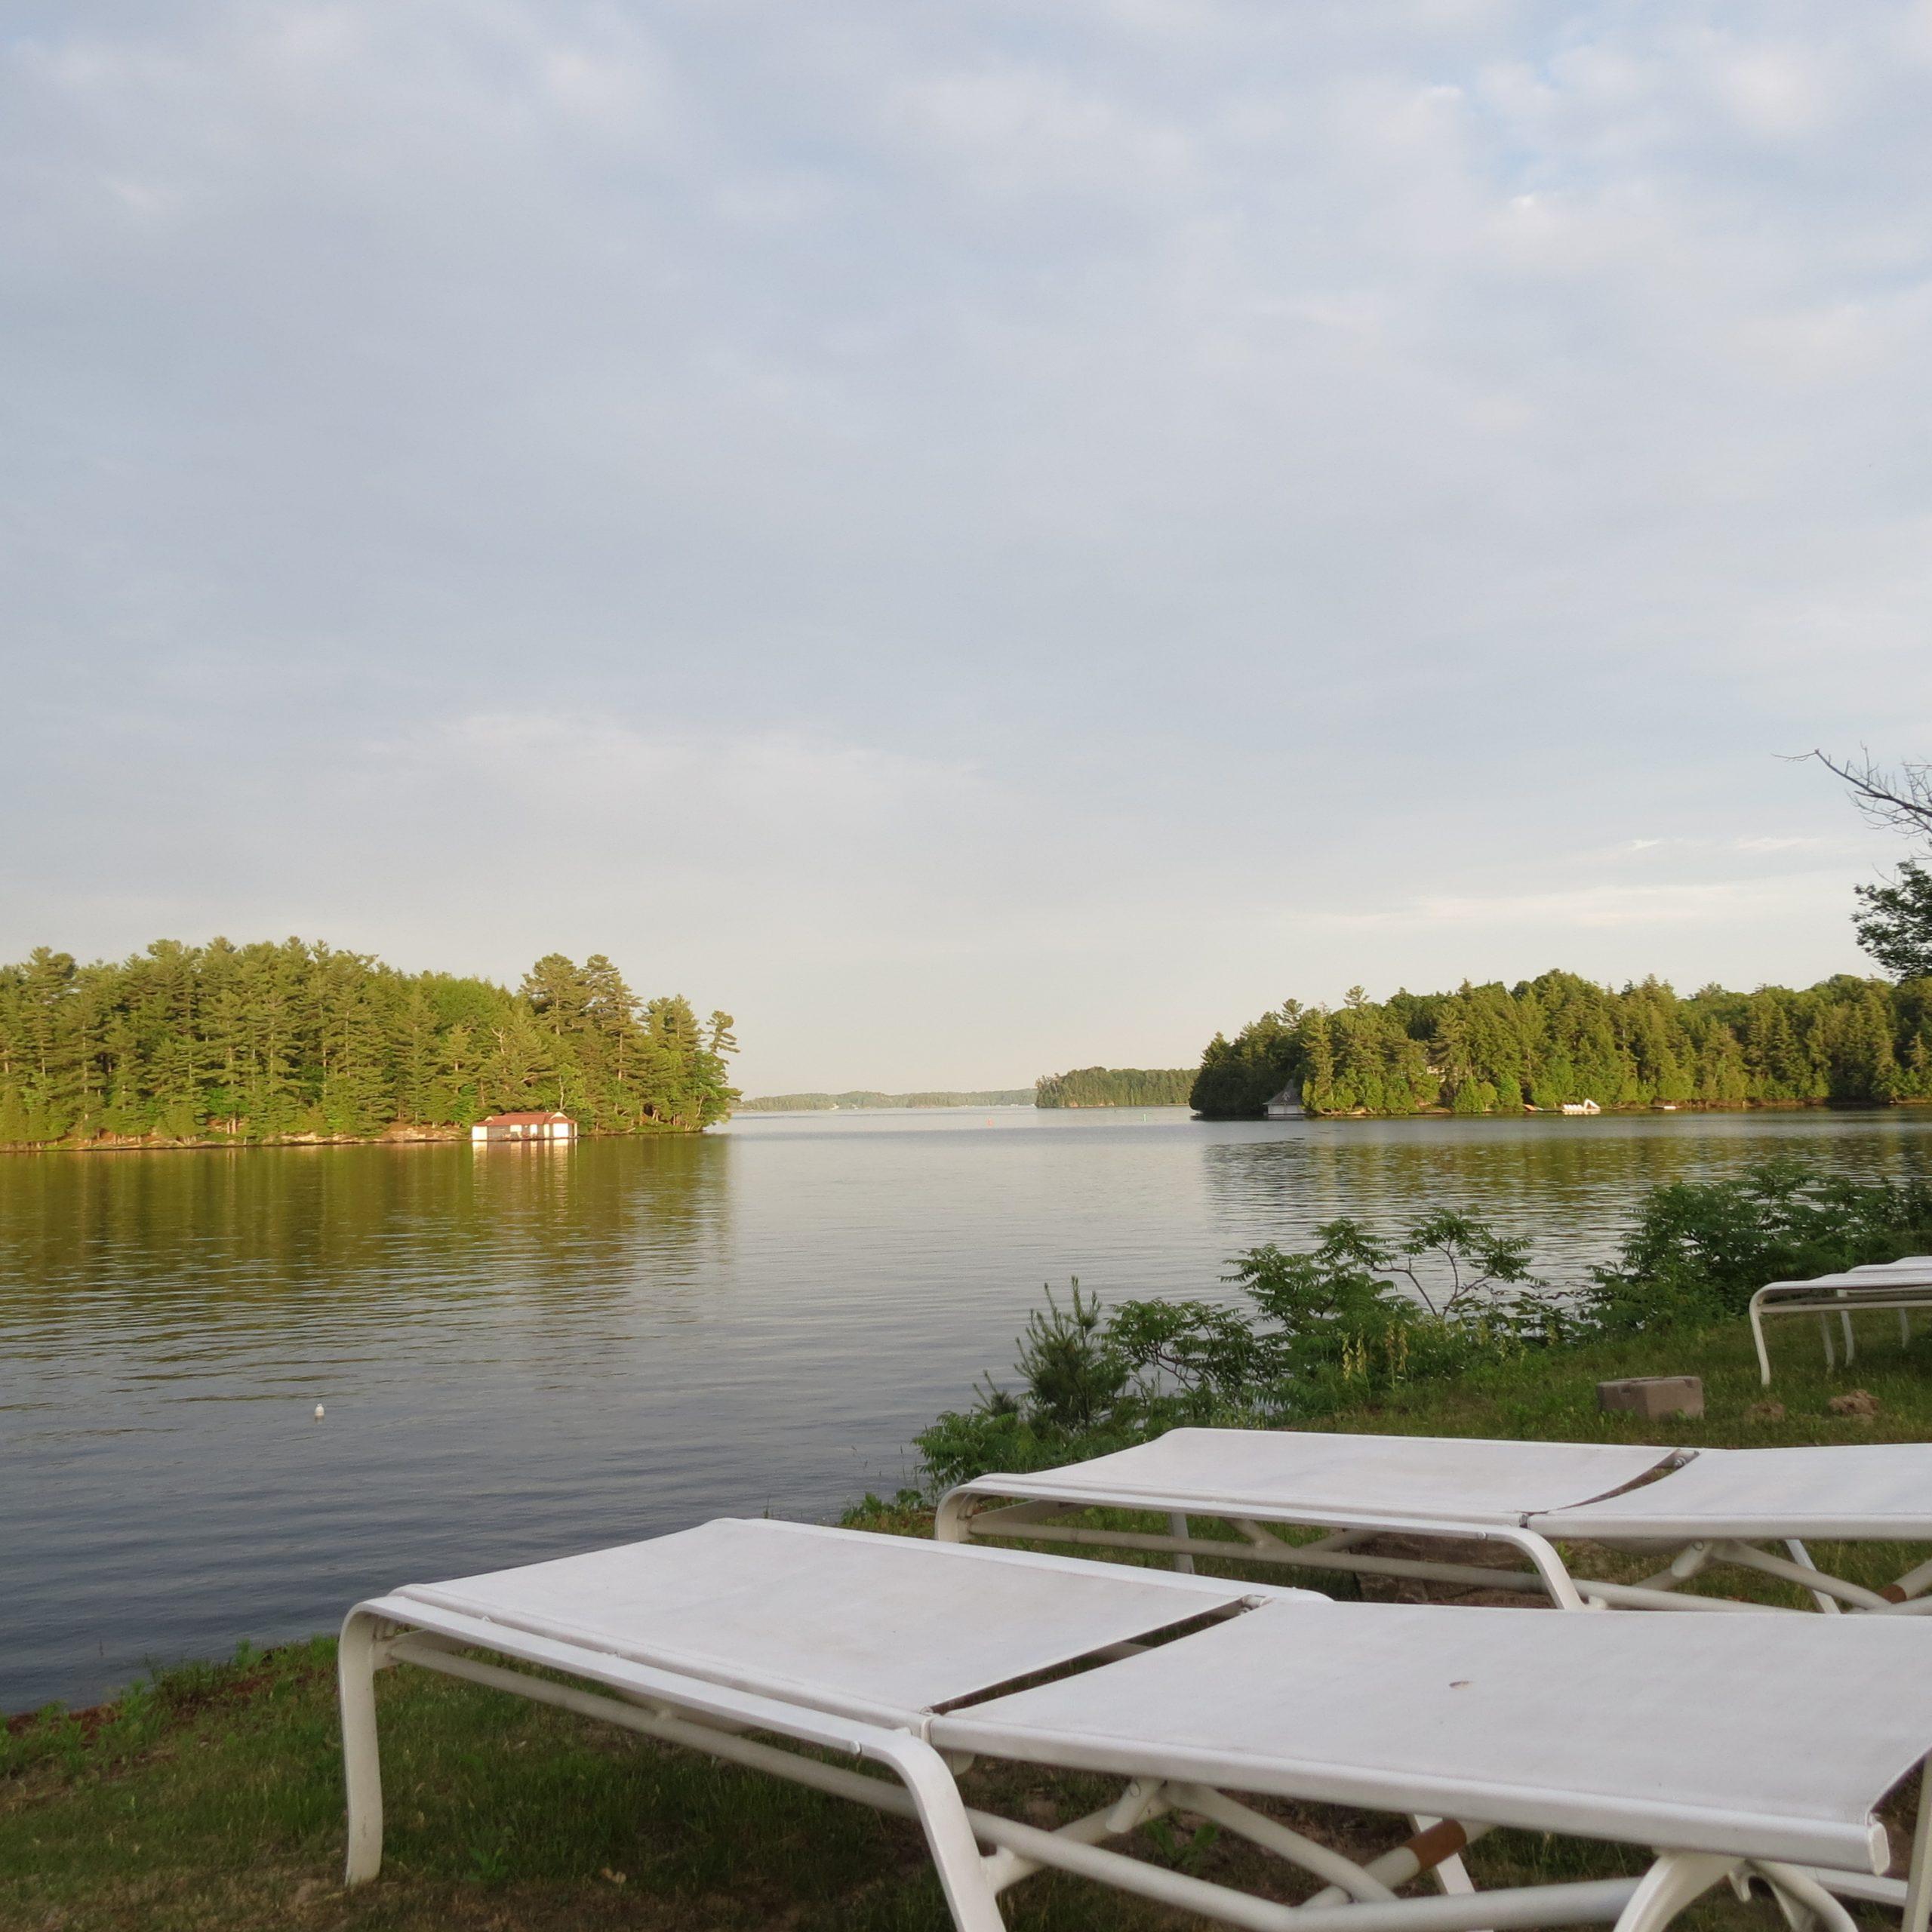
(211, 1798)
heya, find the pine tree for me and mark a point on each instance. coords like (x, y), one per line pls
(1558, 1038)
(266, 1040)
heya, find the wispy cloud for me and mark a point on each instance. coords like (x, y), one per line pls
(911, 511)
(1689, 845)
(1586, 908)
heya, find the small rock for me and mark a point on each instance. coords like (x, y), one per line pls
(1854, 1402)
(1765, 1412)
(318, 1412)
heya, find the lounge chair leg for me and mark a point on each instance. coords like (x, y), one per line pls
(1450, 1873)
(1918, 1873)
(1757, 1337)
(361, 1763)
(1850, 1346)
(1178, 1526)
(955, 1854)
(1825, 1334)
(1803, 1903)
(1677, 1878)
(949, 1521)
(1823, 1599)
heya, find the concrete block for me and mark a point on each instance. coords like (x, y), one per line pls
(1653, 1395)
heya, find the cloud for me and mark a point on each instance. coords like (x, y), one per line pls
(947, 522)
(1584, 909)
(1795, 842)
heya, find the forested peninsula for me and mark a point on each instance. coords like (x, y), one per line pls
(1116, 1087)
(220, 1043)
(1559, 1040)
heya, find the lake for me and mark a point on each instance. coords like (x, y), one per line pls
(527, 1352)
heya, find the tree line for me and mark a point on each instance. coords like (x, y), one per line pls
(1116, 1087)
(274, 1041)
(861, 1099)
(1559, 1040)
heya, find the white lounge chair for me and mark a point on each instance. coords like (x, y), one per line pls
(1903, 1285)
(911, 1657)
(1697, 1508)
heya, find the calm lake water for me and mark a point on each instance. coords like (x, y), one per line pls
(523, 1352)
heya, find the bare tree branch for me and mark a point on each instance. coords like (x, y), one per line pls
(1901, 799)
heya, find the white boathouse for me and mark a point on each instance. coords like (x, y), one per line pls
(523, 1126)
(1287, 1104)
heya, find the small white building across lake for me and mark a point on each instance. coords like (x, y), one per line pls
(525, 1127)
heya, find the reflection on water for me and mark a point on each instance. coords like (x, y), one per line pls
(526, 1351)
(1569, 1183)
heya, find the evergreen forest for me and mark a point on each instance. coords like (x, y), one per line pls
(295, 1041)
(1116, 1087)
(1558, 1040)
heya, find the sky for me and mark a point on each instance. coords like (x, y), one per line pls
(982, 538)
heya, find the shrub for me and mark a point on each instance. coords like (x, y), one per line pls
(1073, 1374)
(1700, 1249)
(1355, 1314)
(1359, 1313)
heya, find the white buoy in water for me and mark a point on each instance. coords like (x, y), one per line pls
(318, 1412)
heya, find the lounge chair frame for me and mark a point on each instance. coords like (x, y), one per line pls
(1904, 1287)
(922, 1784)
(973, 1511)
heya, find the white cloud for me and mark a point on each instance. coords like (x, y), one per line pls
(973, 513)
(1584, 908)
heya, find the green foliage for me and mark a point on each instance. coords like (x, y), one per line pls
(1701, 1249)
(1896, 925)
(1560, 1040)
(267, 1041)
(1360, 1317)
(1238, 1077)
(1072, 1376)
(1116, 1087)
(1356, 1314)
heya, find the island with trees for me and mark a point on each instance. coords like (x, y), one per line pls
(1116, 1087)
(292, 1041)
(1558, 1041)
(1087, 1087)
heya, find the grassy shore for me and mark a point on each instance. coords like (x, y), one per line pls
(211, 1798)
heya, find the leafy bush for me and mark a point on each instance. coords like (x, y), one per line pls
(1355, 1314)
(1359, 1313)
(1700, 1249)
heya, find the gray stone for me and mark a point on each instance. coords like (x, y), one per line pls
(1653, 1395)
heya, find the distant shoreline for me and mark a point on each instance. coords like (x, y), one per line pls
(420, 1136)
(411, 1136)
(1605, 1112)
(866, 1100)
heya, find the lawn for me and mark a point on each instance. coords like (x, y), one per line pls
(211, 1798)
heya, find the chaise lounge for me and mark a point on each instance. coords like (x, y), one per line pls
(876, 1668)
(1694, 1509)
(1903, 1285)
